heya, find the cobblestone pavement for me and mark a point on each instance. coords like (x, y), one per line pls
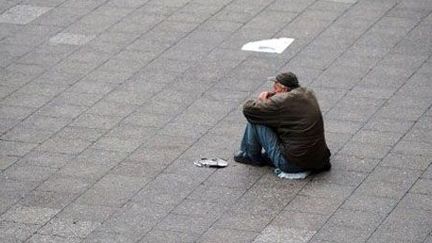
(105, 104)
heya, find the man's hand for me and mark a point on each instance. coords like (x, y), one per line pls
(265, 95)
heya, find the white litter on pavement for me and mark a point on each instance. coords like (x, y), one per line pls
(269, 46)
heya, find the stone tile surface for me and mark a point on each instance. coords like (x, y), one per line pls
(22, 14)
(104, 106)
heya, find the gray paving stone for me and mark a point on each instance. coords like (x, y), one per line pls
(59, 16)
(41, 58)
(98, 236)
(335, 141)
(45, 159)
(26, 135)
(29, 215)
(364, 150)
(415, 148)
(35, 36)
(82, 133)
(54, 124)
(227, 14)
(15, 112)
(406, 224)
(282, 234)
(42, 89)
(16, 232)
(22, 14)
(47, 199)
(375, 137)
(227, 235)
(117, 144)
(299, 220)
(75, 67)
(415, 162)
(6, 161)
(135, 220)
(15, 148)
(154, 155)
(64, 145)
(416, 201)
(147, 120)
(380, 206)
(15, 189)
(388, 125)
(88, 55)
(57, 78)
(242, 179)
(342, 126)
(30, 173)
(328, 97)
(112, 190)
(185, 223)
(394, 175)
(51, 238)
(428, 173)
(341, 177)
(216, 194)
(168, 189)
(409, 114)
(418, 135)
(85, 170)
(132, 132)
(64, 184)
(364, 221)
(34, 101)
(331, 233)
(313, 205)
(108, 77)
(428, 239)
(91, 87)
(326, 190)
(422, 186)
(7, 124)
(244, 222)
(141, 169)
(199, 208)
(168, 236)
(96, 121)
(424, 122)
(61, 110)
(68, 228)
(131, 98)
(77, 220)
(101, 157)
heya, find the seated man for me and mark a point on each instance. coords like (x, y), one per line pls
(285, 129)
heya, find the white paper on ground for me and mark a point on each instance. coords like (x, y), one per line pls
(269, 46)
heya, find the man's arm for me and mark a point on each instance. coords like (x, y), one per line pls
(264, 111)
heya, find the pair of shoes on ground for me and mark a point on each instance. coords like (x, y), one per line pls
(241, 157)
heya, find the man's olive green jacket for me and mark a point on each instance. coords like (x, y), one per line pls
(296, 118)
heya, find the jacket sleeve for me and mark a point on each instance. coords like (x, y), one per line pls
(263, 112)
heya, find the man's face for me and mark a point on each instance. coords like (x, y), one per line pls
(279, 88)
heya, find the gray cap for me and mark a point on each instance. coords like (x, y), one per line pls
(288, 79)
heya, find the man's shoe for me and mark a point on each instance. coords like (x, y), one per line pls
(241, 157)
(292, 176)
(325, 168)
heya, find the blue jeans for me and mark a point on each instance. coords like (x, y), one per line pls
(257, 137)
